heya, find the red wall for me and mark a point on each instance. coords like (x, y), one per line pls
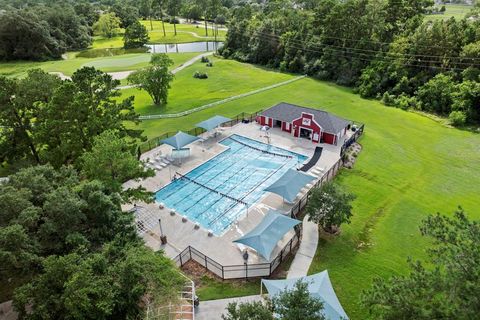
(328, 138)
(284, 127)
(301, 123)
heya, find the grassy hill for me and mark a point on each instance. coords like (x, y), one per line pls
(410, 166)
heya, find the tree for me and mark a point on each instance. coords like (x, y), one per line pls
(255, 310)
(79, 111)
(436, 95)
(18, 110)
(173, 9)
(110, 284)
(298, 304)
(155, 79)
(294, 304)
(45, 119)
(107, 25)
(446, 287)
(24, 36)
(47, 212)
(127, 14)
(112, 161)
(159, 5)
(136, 36)
(329, 207)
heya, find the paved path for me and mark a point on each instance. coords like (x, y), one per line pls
(213, 309)
(308, 246)
(124, 74)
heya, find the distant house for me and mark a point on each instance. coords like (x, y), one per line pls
(313, 124)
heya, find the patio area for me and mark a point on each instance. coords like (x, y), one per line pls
(182, 233)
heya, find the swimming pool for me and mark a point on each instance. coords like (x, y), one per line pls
(218, 192)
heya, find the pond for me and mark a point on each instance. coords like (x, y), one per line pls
(203, 46)
(184, 47)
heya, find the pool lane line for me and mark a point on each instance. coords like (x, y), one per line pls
(235, 186)
(222, 161)
(208, 181)
(222, 183)
(268, 177)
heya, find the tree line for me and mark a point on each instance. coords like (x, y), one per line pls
(42, 32)
(67, 247)
(386, 50)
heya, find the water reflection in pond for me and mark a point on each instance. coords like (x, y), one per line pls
(185, 47)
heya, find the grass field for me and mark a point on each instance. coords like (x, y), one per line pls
(226, 78)
(457, 11)
(185, 33)
(106, 64)
(410, 166)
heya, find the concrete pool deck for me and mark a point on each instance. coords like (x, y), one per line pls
(182, 234)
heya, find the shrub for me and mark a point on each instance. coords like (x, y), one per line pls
(405, 102)
(200, 75)
(457, 118)
(388, 99)
(204, 60)
(209, 64)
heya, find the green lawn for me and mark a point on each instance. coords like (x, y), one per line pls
(410, 166)
(106, 64)
(226, 78)
(184, 34)
(457, 11)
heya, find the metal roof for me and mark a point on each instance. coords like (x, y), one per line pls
(287, 112)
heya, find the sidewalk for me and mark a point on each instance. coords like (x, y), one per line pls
(306, 251)
(213, 309)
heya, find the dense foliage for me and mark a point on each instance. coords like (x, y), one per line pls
(136, 36)
(44, 32)
(76, 250)
(46, 120)
(293, 304)
(385, 49)
(329, 207)
(446, 287)
(155, 79)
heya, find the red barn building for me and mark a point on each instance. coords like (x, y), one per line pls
(313, 124)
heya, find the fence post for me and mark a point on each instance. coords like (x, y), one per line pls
(246, 271)
(223, 273)
(181, 263)
(206, 268)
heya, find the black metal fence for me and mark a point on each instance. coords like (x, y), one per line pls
(155, 142)
(264, 269)
(241, 270)
(259, 269)
(357, 134)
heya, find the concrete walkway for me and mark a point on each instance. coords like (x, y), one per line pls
(213, 309)
(308, 246)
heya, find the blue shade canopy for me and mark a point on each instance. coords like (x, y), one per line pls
(180, 140)
(290, 184)
(319, 286)
(265, 236)
(212, 123)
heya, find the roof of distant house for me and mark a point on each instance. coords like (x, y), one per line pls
(287, 112)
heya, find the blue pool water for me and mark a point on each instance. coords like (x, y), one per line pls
(207, 195)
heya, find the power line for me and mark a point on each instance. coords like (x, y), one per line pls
(277, 37)
(371, 54)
